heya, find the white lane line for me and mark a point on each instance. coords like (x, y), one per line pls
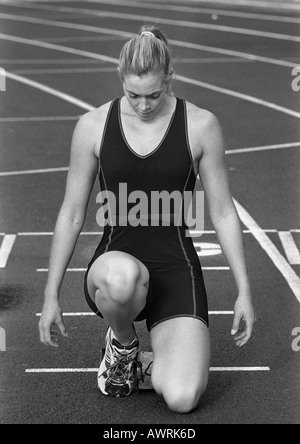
(5, 248)
(98, 233)
(84, 314)
(41, 233)
(41, 171)
(68, 270)
(229, 52)
(123, 34)
(49, 61)
(207, 249)
(60, 48)
(221, 313)
(264, 148)
(171, 22)
(290, 248)
(274, 254)
(207, 60)
(64, 71)
(47, 89)
(95, 370)
(83, 270)
(38, 119)
(74, 39)
(240, 369)
(238, 95)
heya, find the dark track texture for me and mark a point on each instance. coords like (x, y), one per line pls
(257, 107)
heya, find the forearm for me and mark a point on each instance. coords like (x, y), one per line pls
(230, 235)
(64, 241)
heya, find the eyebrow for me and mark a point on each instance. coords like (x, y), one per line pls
(152, 94)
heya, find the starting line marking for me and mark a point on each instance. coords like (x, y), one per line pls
(82, 270)
(82, 314)
(95, 370)
(5, 248)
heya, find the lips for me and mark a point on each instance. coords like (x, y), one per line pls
(145, 114)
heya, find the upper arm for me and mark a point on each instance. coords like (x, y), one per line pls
(212, 168)
(82, 170)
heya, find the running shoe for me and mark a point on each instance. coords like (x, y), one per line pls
(118, 373)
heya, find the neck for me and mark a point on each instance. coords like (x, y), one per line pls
(166, 109)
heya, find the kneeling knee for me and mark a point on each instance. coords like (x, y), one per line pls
(183, 400)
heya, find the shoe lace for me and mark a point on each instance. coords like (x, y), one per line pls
(121, 368)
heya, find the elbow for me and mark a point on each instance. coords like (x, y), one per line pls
(74, 219)
(224, 214)
(77, 223)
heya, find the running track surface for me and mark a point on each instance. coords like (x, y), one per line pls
(231, 58)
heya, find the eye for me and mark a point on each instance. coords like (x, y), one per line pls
(155, 96)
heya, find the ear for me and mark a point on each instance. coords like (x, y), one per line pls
(169, 83)
(120, 74)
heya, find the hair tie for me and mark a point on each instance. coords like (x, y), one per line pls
(148, 33)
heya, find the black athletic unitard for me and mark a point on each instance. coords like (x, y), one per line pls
(176, 282)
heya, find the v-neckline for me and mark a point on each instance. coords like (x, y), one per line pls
(161, 142)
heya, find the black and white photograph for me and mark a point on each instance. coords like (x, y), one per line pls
(149, 214)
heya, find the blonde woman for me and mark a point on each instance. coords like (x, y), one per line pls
(149, 140)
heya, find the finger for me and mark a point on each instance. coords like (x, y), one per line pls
(245, 337)
(48, 337)
(52, 341)
(242, 342)
(236, 323)
(62, 328)
(240, 336)
(250, 327)
(41, 331)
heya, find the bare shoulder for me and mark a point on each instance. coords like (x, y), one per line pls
(204, 128)
(201, 118)
(90, 126)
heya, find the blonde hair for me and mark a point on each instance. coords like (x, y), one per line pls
(148, 52)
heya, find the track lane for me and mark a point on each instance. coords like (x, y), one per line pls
(76, 401)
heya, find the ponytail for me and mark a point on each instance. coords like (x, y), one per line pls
(148, 52)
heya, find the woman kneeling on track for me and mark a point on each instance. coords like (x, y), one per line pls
(151, 141)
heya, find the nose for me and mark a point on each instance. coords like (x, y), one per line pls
(144, 105)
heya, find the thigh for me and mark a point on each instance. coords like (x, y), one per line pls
(115, 262)
(181, 348)
(178, 292)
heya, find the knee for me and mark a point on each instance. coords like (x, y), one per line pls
(180, 398)
(120, 281)
(183, 400)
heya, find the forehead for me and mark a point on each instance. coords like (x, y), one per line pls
(145, 85)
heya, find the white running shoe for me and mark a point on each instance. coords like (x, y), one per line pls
(118, 373)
